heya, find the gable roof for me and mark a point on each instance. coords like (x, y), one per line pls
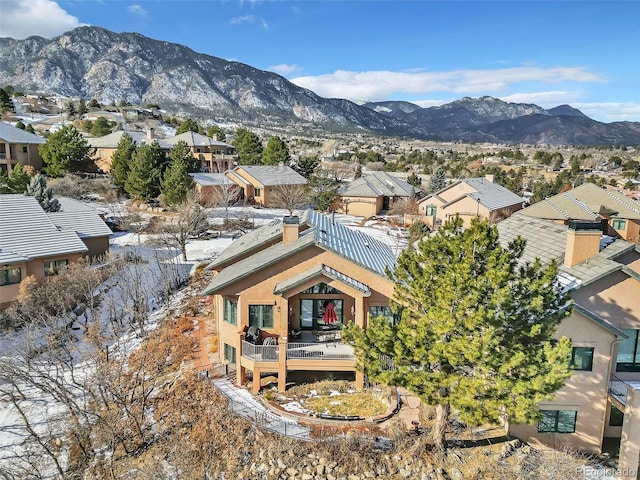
(489, 194)
(377, 184)
(585, 202)
(111, 140)
(27, 232)
(322, 232)
(80, 218)
(11, 134)
(211, 179)
(269, 175)
(194, 139)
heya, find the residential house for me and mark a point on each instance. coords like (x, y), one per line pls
(373, 194)
(31, 244)
(18, 146)
(260, 181)
(599, 405)
(105, 147)
(619, 214)
(284, 278)
(216, 188)
(85, 222)
(469, 198)
(214, 156)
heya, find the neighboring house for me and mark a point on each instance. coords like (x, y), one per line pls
(282, 278)
(18, 146)
(619, 214)
(31, 244)
(214, 156)
(86, 222)
(260, 181)
(216, 188)
(599, 405)
(469, 198)
(106, 146)
(373, 193)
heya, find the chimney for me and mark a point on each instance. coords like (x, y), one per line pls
(150, 134)
(490, 177)
(583, 242)
(290, 229)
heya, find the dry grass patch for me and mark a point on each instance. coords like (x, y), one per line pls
(362, 404)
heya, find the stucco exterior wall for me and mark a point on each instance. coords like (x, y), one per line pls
(13, 154)
(585, 392)
(97, 246)
(361, 206)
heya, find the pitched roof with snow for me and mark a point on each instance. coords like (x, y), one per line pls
(27, 232)
(322, 232)
(377, 184)
(11, 134)
(80, 218)
(211, 179)
(111, 140)
(270, 175)
(585, 203)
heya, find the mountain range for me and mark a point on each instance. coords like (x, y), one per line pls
(92, 62)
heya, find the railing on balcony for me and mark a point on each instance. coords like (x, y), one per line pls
(320, 351)
(260, 353)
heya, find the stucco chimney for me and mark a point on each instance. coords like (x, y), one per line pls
(150, 133)
(290, 229)
(583, 242)
(490, 177)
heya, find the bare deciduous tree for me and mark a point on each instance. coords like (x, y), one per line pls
(224, 196)
(290, 197)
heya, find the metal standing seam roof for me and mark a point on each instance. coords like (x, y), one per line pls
(377, 184)
(584, 202)
(26, 232)
(79, 218)
(355, 246)
(316, 271)
(269, 175)
(11, 134)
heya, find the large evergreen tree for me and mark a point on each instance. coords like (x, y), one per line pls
(6, 105)
(476, 330)
(147, 166)
(19, 179)
(66, 151)
(38, 188)
(276, 152)
(305, 166)
(100, 127)
(248, 147)
(323, 189)
(217, 132)
(188, 125)
(438, 180)
(176, 183)
(181, 152)
(121, 159)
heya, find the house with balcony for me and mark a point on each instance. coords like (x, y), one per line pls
(282, 293)
(469, 198)
(373, 194)
(18, 146)
(214, 156)
(619, 214)
(31, 244)
(104, 147)
(599, 406)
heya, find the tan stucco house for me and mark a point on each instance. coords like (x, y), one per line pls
(18, 146)
(599, 405)
(619, 214)
(258, 182)
(31, 244)
(283, 278)
(373, 194)
(469, 198)
(104, 147)
(216, 188)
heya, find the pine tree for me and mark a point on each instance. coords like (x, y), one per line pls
(121, 159)
(181, 152)
(438, 180)
(29, 128)
(323, 190)
(188, 125)
(414, 180)
(19, 179)
(82, 107)
(476, 329)
(6, 105)
(248, 147)
(100, 127)
(358, 172)
(66, 151)
(215, 131)
(20, 125)
(276, 152)
(147, 167)
(38, 188)
(176, 183)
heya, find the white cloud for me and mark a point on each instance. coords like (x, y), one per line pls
(610, 111)
(429, 103)
(545, 99)
(285, 69)
(21, 19)
(137, 10)
(243, 19)
(382, 85)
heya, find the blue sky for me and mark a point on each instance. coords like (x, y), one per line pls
(584, 53)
